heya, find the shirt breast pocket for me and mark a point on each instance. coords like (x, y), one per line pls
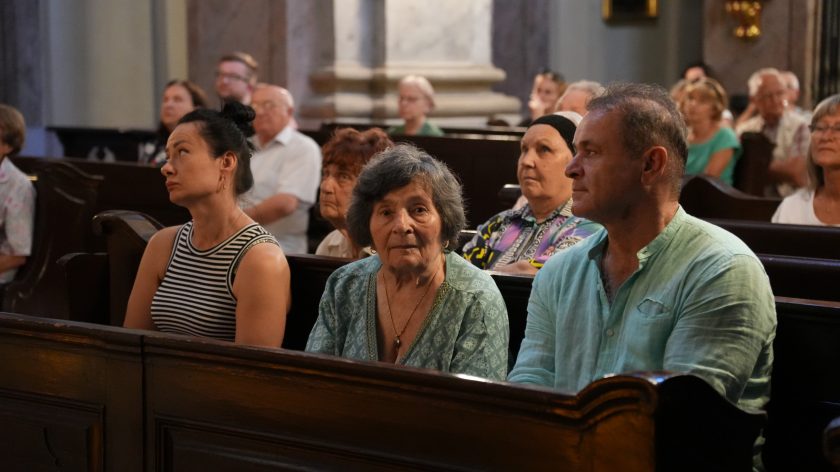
(650, 309)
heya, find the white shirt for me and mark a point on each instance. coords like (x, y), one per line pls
(798, 209)
(17, 214)
(290, 163)
(336, 245)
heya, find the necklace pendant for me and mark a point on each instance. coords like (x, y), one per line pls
(397, 342)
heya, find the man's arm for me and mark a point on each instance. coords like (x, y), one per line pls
(273, 208)
(535, 362)
(726, 325)
(793, 169)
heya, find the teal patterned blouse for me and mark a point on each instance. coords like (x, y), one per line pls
(466, 331)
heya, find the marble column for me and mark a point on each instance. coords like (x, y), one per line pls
(363, 47)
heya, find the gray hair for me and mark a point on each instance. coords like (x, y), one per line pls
(423, 85)
(395, 168)
(829, 106)
(648, 118)
(589, 86)
(757, 77)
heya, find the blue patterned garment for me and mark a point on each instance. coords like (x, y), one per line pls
(515, 235)
(465, 332)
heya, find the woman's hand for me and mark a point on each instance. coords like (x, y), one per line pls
(517, 268)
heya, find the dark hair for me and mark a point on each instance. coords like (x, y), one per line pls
(197, 95)
(225, 131)
(711, 90)
(350, 149)
(12, 128)
(395, 168)
(707, 69)
(648, 118)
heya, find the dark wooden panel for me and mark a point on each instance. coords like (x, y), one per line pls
(805, 393)
(707, 197)
(44, 433)
(785, 240)
(70, 391)
(126, 186)
(343, 415)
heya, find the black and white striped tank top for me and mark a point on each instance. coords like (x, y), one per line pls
(195, 296)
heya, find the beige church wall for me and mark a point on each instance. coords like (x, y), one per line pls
(786, 42)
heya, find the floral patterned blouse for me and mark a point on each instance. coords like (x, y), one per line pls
(515, 235)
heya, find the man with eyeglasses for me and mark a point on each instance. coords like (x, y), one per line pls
(785, 129)
(286, 168)
(236, 76)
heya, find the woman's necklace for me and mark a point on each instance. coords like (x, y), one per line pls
(398, 334)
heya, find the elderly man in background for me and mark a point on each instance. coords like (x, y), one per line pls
(236, 77)
(787, 130)
(577, 95)
(286, 168)
(792, 84)
(656, 289)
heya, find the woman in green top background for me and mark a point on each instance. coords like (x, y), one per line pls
(416, 100)
(713, 148)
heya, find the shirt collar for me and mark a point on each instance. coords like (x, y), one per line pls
(525, 212)
(283, 138)
(653, 247)
(661, 240)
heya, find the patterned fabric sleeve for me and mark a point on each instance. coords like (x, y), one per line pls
(482, 345)
(19, 217)
(801, 141)
(479, 251)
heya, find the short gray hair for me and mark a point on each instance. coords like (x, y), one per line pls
(395, 168)
(757, 77)
(589, 86)
(423, 85)
(829, 106)
(648, 118)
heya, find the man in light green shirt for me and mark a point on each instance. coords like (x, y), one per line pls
(656, 289)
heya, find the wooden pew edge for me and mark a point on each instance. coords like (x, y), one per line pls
(831, 443)
(539, 403)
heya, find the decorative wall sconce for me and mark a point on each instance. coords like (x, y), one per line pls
(748, 15)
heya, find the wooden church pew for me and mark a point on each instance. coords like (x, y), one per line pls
(96, 398)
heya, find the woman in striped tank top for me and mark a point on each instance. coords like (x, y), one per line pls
(221, 275)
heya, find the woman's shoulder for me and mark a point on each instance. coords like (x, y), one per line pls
(796, 208)
(463, 276)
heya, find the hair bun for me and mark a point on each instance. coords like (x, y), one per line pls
(241, 115)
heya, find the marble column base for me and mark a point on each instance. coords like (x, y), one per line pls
(350, 92)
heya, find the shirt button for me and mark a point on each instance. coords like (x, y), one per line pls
(610, 332)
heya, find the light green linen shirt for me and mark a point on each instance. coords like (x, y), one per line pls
(700, 302)
(466, 331)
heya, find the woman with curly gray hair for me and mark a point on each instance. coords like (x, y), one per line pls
(416, 302)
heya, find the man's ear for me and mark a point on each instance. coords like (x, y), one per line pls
(654, 162)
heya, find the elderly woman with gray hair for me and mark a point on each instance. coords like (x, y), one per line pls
(415, 302)
(819, 203)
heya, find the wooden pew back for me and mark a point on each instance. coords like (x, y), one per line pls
(64, 202)
(125, 186)
(785, 240)
(189, 404)
(707, 197)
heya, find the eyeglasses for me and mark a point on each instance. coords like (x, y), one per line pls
(263, 106)
(823, 128)
(781, 94)
(230, 76)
